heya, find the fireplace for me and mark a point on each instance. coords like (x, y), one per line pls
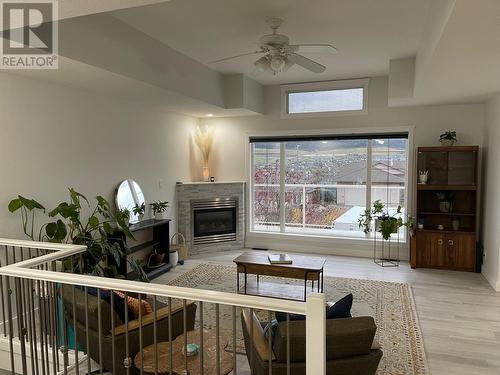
(214, 220)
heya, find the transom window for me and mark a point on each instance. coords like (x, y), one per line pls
(321, 185)
(325, 101)
(325, 98)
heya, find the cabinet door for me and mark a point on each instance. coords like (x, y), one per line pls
(465, 248)
(450, 256)
(438, 250)
(424, 245)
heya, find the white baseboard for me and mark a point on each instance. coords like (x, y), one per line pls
(5, 360)
(493, 281)
(318, 244)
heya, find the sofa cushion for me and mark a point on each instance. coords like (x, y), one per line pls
(345, 338)
(93, 306)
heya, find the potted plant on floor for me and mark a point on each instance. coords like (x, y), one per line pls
(104, 254)
(159, 209)
(385, 223)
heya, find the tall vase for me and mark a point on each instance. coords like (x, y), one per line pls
(206, 171)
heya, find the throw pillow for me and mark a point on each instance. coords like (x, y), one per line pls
(341, 308)
(118, 301)
(134, 306)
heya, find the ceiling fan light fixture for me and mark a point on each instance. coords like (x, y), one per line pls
(277, 63)
(262, 64)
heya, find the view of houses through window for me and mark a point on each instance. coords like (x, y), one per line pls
(325, 184)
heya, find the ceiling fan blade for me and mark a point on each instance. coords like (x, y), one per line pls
(306, 63)
(310, 47)
(236, 56)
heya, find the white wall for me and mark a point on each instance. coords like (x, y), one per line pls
(228, 160)
(491, 197)
(53, 137)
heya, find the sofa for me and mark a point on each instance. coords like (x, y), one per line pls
(348, 349)
(120, 329)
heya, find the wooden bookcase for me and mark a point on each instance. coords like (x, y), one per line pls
(452, 174)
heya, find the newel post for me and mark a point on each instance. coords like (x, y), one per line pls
(315, 334)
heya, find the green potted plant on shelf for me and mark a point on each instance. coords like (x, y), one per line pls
(385, 223)
(448, 138)
(70, 225)
(159, 209)
(139, 210)
(125, 213)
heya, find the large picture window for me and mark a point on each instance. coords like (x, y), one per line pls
(321, 185)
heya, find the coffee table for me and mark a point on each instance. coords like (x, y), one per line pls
(178, 360)
(305, 268)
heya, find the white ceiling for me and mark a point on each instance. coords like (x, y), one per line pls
(465, 64)
(367, 34)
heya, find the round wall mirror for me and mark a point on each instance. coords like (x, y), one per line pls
(129, 195)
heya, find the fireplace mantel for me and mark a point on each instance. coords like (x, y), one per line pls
(191, 192)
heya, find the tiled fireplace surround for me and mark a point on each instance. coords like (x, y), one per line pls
(198, 191)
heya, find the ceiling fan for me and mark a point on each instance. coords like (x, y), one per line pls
(280, 55)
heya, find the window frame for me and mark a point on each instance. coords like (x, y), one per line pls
(409, 181)
(362, 83)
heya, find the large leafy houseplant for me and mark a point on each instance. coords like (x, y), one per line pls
(98, 232)
(385, 223)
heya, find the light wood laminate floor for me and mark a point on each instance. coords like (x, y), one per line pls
(459, 312)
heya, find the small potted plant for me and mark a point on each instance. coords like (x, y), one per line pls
(159, 209)
(139, 211)
(448, 138)
(385, 223)
(124, 213)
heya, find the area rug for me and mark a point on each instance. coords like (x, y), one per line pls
(390, 304)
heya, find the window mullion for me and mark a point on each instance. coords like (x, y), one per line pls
(369, 176)
(282, 187)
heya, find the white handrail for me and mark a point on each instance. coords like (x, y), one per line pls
(25, 269)
(313, 308)
(28, 244)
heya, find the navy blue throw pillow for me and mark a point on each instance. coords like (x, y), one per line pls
(341, 308)
(118, 302)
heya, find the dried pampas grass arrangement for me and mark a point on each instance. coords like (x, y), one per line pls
(204, 139)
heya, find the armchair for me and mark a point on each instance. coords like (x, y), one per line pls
(348, 348)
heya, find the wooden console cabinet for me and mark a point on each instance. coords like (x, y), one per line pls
(452, 177)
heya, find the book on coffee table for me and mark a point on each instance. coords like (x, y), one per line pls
(280, 259)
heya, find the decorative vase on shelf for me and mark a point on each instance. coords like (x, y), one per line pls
(447, 142)
(206, 172)
(174, 258)
(423, 176)
(160, 215)
(455, 223)
(445, 206)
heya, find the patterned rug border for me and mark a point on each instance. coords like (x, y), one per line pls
(420, 359)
